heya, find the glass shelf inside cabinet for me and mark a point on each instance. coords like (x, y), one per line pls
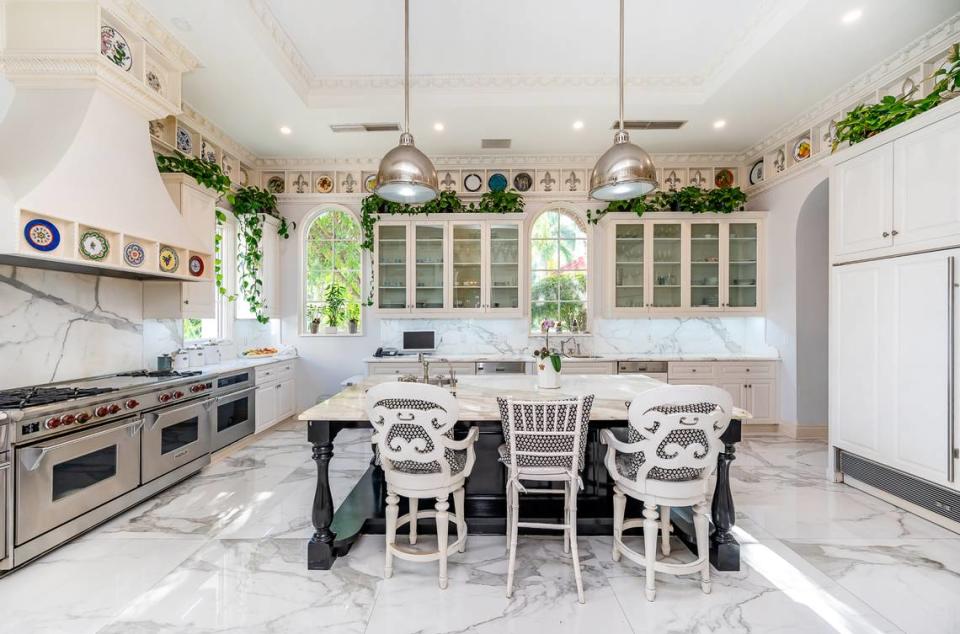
(666, 265)
(467, 264)
(628, 267)
(428, 267)
(392, 266)
(742, 274)
(704, 265)
(504, 266)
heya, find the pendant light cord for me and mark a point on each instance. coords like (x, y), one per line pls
(406, 64)
(621, 65)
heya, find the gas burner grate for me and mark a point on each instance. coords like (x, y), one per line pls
(160, 373)
(32, 396)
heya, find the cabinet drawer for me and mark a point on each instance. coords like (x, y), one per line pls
(692, 370)
(393, 368)
(589, 367)
(747, 369)
(284, 371)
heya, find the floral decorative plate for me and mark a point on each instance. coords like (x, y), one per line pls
(723, 178)
(153, 80)
(114, 47)
(275, 185)
(801, 149)
(42, 235)
(756, 172)
(370, 183)
(133, 254)
(94, 245)
(497, 182)
(472, 182)
(169, 260)
(522, 181)
(324, 184)
(207, 153)
(184, 142)
(196, 265)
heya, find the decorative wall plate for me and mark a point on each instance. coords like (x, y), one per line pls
(472, 182)
(244, 178)
(370, 183)
(133, 254)
(522, 181)
(226, 164)
(153, 80)
(169, 260)
(42, 235)
(723, 178)
(184, 142)
(156, 128)
(756, 172)
(195, 265)
(114, 47)
(94, 245)
(801, 149)
(207, 153)
(324, 184)
(497, 182)
(275, 185)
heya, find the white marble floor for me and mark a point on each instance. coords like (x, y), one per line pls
(225, 552)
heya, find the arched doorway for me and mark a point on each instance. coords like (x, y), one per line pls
(813, 285)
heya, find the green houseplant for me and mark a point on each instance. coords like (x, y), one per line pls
(313, 318)
(334, 309)
(353, 317)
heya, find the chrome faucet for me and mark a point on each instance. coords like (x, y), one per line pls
(565, 342)
(422, 358)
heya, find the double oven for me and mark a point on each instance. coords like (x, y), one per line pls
(235, 408)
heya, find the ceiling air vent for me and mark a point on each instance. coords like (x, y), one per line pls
(365, 127)
(495, 144)
(648, 125)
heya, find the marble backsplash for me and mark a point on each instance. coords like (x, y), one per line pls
(58, 326)
(688, 335)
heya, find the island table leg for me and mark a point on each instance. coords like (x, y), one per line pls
(320, 549)
(725, 549)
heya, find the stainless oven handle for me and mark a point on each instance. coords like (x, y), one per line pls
(235, 396)
(31, 457)
(155, 415)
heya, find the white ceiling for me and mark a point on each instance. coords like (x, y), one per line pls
(525, 69)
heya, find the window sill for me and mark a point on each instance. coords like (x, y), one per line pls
(333, 334)
(539, 334)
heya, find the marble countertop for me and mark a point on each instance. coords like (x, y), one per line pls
(676, 356)
(240, 363)
(477, 395)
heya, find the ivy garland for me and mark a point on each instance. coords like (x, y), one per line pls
(696, 200)
(250, 206)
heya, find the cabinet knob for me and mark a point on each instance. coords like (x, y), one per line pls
(186, 301)
(748, 369)
(886, 234)
(894, 232)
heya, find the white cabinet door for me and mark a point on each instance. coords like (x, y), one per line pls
(861, 204)
(390, 271)
(270, 271)
(504, 269)
(759, 401)
(199, 300)
(737, 391)
(286, 403)
(428, 247)
(926, 185)
(179, 300)
(859, 331)
(266, 406)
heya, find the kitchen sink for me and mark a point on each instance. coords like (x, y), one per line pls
(584, 356)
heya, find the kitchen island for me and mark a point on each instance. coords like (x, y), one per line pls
(335, 530)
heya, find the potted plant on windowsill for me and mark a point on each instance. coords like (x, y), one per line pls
(313, 317)
(334, 307)
(548, 368)
(353, 317)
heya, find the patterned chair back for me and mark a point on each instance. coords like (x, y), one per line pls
(546, 434)
(678, 428)
(412, 423)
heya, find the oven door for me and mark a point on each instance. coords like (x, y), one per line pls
(174, 437)
(4, 478)
(62, 479)
(235, 418)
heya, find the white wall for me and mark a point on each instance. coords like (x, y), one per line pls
(784, 202)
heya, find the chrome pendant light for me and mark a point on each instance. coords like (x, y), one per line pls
(406, 175)
(625, 170)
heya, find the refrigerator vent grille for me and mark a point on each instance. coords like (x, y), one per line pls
(906, 487)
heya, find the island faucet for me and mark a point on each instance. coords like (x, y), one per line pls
(422, 358)
(565, 342)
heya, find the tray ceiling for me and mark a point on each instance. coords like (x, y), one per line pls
(525, 69)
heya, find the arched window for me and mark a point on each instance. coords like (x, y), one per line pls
(332, 258)
(558, 270)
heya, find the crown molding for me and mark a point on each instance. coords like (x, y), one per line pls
(210, 131)
(153, 31)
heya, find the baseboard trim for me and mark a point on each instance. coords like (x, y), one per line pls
(759, 429)
(804, 432)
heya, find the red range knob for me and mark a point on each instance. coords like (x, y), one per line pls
(178, 394)
(114, 408)
(52, 423)
(132, 403)
(163, 398)
(196, 388)
(83, 417)
(68, 419)
(101, 411)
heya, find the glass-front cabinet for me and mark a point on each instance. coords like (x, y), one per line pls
(467, 260)
(391, 266)
(504, 261)
(428, 271)
(684, 263)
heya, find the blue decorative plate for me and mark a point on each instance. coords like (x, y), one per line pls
(184, 142)
(133, 254)
(42, 235)
(497, 182)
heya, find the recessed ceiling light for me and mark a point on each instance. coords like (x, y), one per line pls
(285, 129)
(719, 123)
(438, 126)
(852, 16)
(578, 125)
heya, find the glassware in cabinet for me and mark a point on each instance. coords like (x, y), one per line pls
(428, 246)
(628, 266)
(704, 265)
(467, 264)
(742, 271)
(392, 267)
(667, 265)
(504, 258)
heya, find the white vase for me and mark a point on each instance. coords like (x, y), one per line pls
(331, 330)
(547, 377)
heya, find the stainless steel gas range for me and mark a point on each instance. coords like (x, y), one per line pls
(81, 452)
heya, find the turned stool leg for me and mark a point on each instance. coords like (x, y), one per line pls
(701, 527)
(650, 547)
(566, 517)
(458, 499)
(414, 503)
(619, 509)
(665, 530)
(572, 520)
(442, 527)
(393, 511)
(506, 532)
(514, 503)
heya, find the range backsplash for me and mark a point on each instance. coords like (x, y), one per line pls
(679, 335)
